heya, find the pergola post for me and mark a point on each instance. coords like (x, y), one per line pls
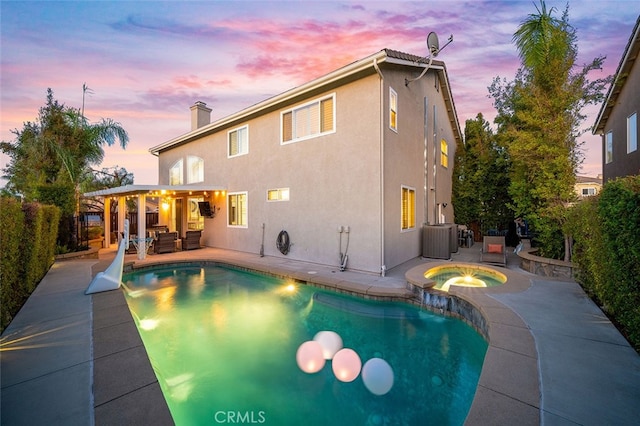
(107, 222)
(142, 226)
(122, 214)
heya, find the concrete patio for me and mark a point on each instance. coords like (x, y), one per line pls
(553, 357)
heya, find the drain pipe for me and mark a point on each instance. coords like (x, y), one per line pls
(383, 267)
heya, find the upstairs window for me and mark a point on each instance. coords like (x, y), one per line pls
(408, 208)
(393, 110)
(195, 169)
(609, 147)
(632, 133)
(587, 192)
(309, 120)
(444, 153)
(238, 141)
(175, 173)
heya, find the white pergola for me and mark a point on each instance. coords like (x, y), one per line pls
(141, 192)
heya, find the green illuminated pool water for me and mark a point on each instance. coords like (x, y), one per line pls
(223, 345)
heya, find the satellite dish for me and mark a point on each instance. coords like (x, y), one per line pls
(433, 44)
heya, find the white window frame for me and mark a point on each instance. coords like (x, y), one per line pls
(243, 218)
(587, 192)
(411, 209)
(243, 148)
(177, 171)
(393, 110)
(281, 194)
(608, 140)
(297, 110)
(632, 133)
(195, 169)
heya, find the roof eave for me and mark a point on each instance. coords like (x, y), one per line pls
(626, 62)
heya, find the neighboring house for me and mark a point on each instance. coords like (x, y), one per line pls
(617, 121)
(353, 162)
(587, 186)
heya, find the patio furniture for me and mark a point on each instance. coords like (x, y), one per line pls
(191, 240)
(166, 242)
(494, 250)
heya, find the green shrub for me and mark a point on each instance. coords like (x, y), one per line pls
(607, 251)
(11, 267)
(27, 243)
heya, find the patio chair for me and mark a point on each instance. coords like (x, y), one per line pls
(494, 250)
(191, 240)
(166, 242)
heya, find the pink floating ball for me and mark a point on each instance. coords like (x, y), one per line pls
(346, 365)
(377, 376)
(309, 357)
(330, 341)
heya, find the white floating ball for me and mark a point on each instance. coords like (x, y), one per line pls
(330, 341)
(309, 357)
(346, 365)
(377, 376)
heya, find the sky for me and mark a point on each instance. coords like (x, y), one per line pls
(147, 62)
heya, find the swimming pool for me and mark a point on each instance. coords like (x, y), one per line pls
(223, 345)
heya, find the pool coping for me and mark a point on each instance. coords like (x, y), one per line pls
(126, 389)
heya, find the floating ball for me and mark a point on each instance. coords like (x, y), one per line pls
(346, 365)
(330, 341)
(377, 376)
(309, 357)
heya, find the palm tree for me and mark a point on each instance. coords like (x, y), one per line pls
(542, 39)
(84, 146)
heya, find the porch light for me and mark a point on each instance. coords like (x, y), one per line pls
(165, 205)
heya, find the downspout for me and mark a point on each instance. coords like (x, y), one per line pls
(383, 267)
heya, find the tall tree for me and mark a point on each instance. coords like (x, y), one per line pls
(539, 118)
(481, 179)
(50, 157)
(57, 149)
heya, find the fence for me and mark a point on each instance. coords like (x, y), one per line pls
(151, 220)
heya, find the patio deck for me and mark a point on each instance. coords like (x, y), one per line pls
(553, 357)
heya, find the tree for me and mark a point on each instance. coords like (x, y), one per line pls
(50, 157)
(539, 118)
(109, 177)
(58, 148)
(480, 178)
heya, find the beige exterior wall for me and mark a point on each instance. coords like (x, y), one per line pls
(404, 159)
(352, 177)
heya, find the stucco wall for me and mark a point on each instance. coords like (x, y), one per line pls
(336, 179)
(404, 158)
(333, 180)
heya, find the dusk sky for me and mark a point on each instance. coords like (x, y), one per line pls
(147, 62)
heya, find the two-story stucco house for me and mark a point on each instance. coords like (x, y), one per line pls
(617, 121)
(360, 156)
(350, 165)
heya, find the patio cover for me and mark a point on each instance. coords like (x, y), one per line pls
(141, 192)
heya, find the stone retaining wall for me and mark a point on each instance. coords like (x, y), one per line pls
(545, 267)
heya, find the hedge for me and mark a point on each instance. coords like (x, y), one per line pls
(607, 251)
(27, 245)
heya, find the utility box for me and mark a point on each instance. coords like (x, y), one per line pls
(436, 241)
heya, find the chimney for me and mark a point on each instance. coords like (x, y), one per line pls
(200, 115)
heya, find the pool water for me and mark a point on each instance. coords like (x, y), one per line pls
(223, 345)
